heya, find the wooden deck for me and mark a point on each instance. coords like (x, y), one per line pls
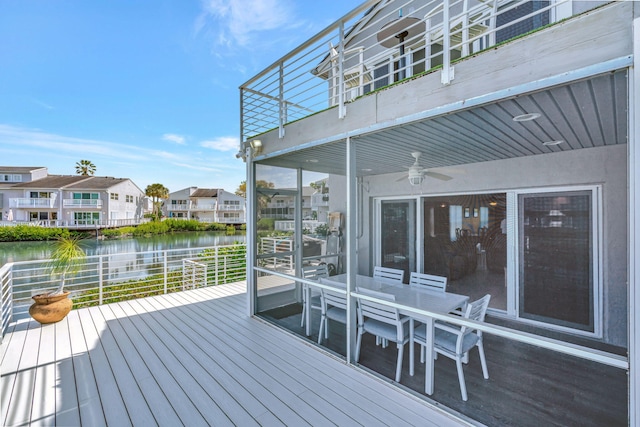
(189, 358)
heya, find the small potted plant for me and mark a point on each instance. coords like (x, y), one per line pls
(67, 258)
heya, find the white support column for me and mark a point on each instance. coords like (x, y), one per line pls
(251, 232)
(342, 109)
(351, 249)
(634, 227)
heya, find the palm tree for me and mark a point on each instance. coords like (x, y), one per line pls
(85, 167)
(66, 259)
(156, 192)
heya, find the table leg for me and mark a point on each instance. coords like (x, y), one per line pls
(307, 311)
(428, 363)
(411, 346)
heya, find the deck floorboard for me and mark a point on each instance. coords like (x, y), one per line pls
(189, 358)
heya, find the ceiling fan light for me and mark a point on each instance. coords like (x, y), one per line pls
(416, 179)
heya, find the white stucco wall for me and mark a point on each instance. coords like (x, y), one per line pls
(605, 166)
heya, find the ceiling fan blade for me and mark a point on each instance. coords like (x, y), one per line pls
(403, 177)
(439, 176)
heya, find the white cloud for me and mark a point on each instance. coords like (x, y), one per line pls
(178, 139)
(144, 164)
(238, 21)
(223, 143)
(42, 104)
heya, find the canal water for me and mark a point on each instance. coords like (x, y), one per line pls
(27, 251)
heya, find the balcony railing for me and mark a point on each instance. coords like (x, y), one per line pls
(230, 207)
(117, 277)
(361, 53)
(32, 203)
(82, 203)
(178, 207)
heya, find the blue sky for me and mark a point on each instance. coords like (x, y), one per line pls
(145, 89)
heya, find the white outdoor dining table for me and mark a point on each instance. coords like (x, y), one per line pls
(413, 297)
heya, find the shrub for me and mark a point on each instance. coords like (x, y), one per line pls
(266, 224)
(184, 224)
(31, 233)
(216, 226)
(322, 230)
(153, 227)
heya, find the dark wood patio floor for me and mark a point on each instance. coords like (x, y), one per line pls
(528, 386)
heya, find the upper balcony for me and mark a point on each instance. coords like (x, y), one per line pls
(381, 45)
(47, 203)
(181, 207)
(82, 203)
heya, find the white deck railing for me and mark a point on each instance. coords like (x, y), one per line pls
(120, 276)
(355, 56)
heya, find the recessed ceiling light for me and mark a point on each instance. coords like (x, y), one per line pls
(526, 117)
(367, 170)
(548, 143)
(312, 161)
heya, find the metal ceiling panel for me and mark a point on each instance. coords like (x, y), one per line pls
(582, 114)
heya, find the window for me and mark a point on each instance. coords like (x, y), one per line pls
(129, 198)
(86, 196)
(86, 218)
(232, 202)
(114, 196)
(11, 178)
(39, 195)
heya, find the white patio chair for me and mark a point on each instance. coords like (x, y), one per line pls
(382, 321)
(456, 341)
(312, 272)
(428, 282)
(388, 275)
(334, 307)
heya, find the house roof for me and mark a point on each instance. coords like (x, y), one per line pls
(19, 169)
(98, 183)
(205, 192)
(52, 181)
(69, 182)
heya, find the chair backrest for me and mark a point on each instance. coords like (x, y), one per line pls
(315, 272)
(389, 275)
(428, 281)
(475, 311)
(331, 297)
(378, 311)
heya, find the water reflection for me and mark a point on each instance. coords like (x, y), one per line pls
(28, 251)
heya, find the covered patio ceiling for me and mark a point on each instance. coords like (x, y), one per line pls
(582, 114)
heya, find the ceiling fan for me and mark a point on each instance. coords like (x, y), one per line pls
(417, 173)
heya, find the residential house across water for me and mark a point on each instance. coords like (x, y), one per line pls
(31, 194)
(206, 205)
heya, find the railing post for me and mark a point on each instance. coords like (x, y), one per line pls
(281, 104)
(342, 109)
(216, 264)
(447, 69)
(166, 270)
(100, 281)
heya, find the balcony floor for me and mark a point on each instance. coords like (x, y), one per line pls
(527, 386)
(189, 358)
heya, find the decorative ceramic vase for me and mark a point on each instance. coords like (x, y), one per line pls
(50, 308)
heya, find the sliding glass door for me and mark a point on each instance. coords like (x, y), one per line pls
(557, 259)
(398, 233)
